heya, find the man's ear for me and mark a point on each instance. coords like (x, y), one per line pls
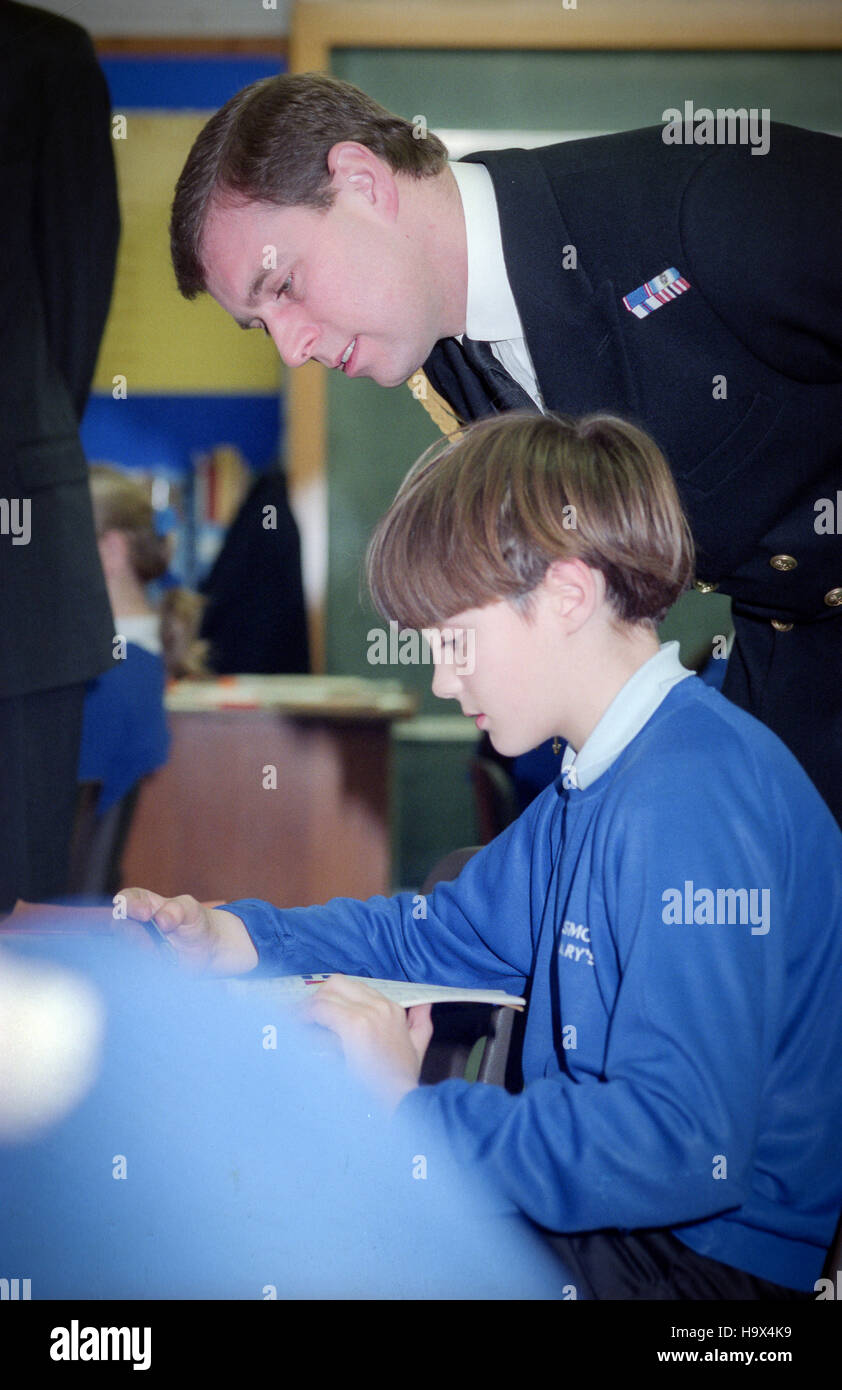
(356, 169)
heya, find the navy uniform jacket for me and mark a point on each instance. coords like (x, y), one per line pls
(757, 237)
(59, 225)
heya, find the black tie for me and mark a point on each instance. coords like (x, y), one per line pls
(503, 390)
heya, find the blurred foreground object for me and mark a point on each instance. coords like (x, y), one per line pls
(215, 1154)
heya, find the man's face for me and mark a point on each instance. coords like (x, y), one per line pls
(343, 284)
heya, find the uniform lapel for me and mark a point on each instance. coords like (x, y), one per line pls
(572, 327)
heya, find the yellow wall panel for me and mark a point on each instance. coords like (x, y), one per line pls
(157, 340)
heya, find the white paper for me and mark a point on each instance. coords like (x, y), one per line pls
(293, 989)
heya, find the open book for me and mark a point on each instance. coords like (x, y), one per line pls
(293, 988)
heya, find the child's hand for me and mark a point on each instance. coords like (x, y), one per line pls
(204, 938)
(383, 1043)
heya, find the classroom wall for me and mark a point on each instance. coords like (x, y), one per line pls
(188, 18)
(175, 380)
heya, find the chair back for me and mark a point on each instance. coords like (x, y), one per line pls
(458, 1028)
(99, 841)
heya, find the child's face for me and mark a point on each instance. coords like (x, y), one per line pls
(511, 686)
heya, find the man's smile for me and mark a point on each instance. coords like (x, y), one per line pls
(345, 359)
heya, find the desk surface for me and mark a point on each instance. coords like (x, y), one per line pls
(287, 801)
(316, 697)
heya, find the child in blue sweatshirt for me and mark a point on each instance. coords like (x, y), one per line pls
(670, 905)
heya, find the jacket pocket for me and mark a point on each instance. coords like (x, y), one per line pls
(715, 468)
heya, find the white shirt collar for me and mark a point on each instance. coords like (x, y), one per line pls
(144, 629)
(492, 314)
(631, 708)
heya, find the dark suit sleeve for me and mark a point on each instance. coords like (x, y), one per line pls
(77, 219)
(762, 237)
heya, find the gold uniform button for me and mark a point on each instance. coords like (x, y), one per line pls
(833, 598)
(783, 562)
(704, 587)
(780, 626)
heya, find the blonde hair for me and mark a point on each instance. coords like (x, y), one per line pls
(121, 503)
(482, 518)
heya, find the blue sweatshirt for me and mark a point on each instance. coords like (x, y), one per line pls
(124, 725)
(677, 926)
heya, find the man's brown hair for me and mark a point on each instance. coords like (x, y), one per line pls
(269, 144)
(482, 518)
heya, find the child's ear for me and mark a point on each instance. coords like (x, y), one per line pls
(575, 590)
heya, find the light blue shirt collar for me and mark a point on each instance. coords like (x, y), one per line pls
(624, 718)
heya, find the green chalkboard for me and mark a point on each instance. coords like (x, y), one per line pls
(525, 90)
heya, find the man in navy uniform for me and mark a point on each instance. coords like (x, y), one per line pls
(692, 287)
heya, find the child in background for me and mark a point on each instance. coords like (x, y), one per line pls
(124, 731)
(670, 905)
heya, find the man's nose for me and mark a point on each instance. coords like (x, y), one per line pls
(295, 341)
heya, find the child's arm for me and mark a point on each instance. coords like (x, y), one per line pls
(696, 1063)
(205, 938)
(634, 1139)
(475, 931)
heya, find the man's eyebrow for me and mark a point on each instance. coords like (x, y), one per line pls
(254, 290)
(251, 298)
(257, 285)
